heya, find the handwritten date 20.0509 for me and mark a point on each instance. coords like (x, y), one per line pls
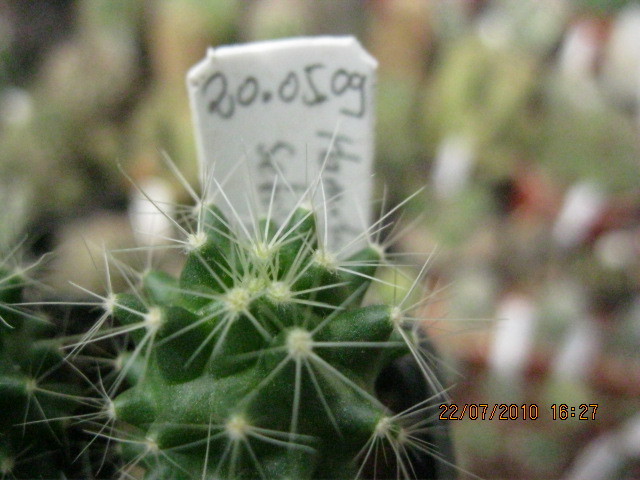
(312, 85)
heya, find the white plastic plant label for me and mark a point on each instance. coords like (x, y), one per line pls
(291, 109)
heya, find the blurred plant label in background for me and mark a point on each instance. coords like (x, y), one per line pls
(291, 109)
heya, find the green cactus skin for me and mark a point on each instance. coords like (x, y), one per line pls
(37, 397)
(259, 361)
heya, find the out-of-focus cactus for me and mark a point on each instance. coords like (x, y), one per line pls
(37, 395)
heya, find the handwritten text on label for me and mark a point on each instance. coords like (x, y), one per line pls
(311, 86)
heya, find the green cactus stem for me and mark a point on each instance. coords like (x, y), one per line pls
(259, 361)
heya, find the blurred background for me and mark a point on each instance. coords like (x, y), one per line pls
(521, 117)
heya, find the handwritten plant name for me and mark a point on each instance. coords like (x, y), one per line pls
(279, 156)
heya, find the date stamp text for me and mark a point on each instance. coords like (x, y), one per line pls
(514, 411)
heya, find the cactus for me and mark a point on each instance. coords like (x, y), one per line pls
(38, 397)
(260, 360)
